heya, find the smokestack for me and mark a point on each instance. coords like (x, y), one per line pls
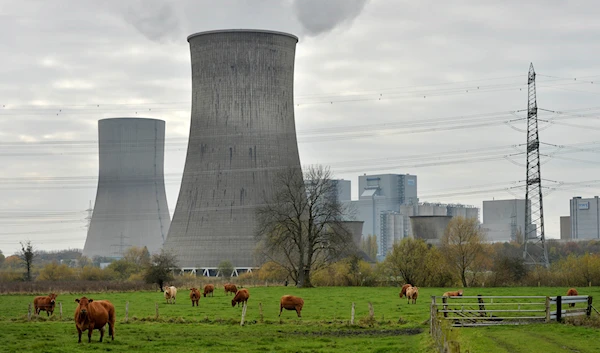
(131, 204)
(242, 133)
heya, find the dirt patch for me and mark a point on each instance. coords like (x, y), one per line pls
(345, 333)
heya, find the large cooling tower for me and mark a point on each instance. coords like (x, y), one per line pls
(242, 133)
(131, 204)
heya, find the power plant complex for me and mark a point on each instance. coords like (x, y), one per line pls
(131, 204)
(242, 134)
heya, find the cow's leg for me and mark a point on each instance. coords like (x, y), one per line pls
(90, 329)
(101, 333)
(79, 332)
(280, 310)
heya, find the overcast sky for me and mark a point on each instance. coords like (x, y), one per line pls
(422, 87)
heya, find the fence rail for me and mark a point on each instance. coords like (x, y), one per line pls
(509, 310)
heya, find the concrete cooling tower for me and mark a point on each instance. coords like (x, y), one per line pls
(242, 134)
(131, 204)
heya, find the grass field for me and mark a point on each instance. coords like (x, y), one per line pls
(214, 326)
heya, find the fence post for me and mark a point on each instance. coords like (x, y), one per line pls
(481, 306)
(243, 314)
(588, 312)
(126, 311)
(29, 312)
(559, 308)
(60, 309)
(445, 300)
(261, 312)
(352, 315)
(156, 307)
(547, 309)
(371, 311)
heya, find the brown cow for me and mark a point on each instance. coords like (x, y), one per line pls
(404, 288)
(230, 288)
(412, 293)
(45, 303)
(93, 315)
(194, 296)
(209, 289)
(572, 291)
(240, 297)
(458, 293)
(289, 302)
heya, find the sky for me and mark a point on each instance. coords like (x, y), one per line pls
(429, 88)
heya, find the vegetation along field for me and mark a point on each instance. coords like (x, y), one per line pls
(214, 326)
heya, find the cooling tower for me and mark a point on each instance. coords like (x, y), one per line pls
(242, 134)
(131, 204)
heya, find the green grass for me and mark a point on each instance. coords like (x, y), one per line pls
(214, 326)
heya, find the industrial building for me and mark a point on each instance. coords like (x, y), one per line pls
(131, 204)
(382, 194)
(242, 134)
(585, 218)
(388, 201)
(429, 228)
(504, 220)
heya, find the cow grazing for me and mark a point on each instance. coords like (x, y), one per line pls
(289, 302)
(240, 297)
(194, 296)
(45, 303)
(170, 294)
(572, 291)
(230, 288)
(404, 288)
(209, 289)
(411, 294)
(458, 293)
(94, 315)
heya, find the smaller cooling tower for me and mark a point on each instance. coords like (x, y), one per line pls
(355, 228)
(131, 204)
(429, 228)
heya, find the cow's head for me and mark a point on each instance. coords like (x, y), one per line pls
(52, 297)
(460, 293)
(83, 304)
(233, 302)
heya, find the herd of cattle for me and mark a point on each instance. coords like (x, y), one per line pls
(93, 314)
(96, 314)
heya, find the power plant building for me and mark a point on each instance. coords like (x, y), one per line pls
(131, 204)
(242, 134)
(585, 218)
(504, 220)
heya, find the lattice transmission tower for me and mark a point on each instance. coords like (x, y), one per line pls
(534, 240)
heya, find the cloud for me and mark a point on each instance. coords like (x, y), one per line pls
(157, 20)
(317, 16)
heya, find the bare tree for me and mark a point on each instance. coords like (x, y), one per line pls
(300, 226)
(27, 254)
(463, 245)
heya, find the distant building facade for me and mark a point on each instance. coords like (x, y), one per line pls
(565, 228)
(504, 220)
(585, 218)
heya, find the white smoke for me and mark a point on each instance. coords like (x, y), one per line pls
(319, 16)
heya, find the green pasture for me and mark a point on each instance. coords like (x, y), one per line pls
(214, 326)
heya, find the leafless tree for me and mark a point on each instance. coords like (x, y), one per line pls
(300, 227)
